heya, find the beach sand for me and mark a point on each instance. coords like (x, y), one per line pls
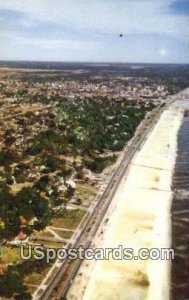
(139, 218)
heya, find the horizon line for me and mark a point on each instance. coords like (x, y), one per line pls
(92, 62)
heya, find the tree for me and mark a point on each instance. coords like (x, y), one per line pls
(11, 284)
(26, 205)
(69, 193)
(52, 163)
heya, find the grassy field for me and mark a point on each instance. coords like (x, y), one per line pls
(10, 255)
(64, 234)
(69, 220)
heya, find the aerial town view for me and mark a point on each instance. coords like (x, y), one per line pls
(94, 160)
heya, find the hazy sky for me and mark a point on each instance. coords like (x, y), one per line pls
(88, 30)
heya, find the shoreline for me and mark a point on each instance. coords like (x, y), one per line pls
(138, 226)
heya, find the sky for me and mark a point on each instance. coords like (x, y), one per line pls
(154, 31)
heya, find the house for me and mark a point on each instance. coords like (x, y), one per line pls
(70, 183)
(20, 239)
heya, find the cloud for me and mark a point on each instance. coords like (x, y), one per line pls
(71, 25)
(106, 16)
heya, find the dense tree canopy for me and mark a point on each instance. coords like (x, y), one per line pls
(17, 212)
(86, 128)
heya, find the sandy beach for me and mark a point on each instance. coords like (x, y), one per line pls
(140, 219)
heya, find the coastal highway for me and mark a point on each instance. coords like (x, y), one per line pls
(62, 280)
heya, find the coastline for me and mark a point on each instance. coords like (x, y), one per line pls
(135, 225)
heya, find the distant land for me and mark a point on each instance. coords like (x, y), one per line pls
(176, 73)
(61, 65)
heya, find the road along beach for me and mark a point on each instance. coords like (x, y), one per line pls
(141, 219)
